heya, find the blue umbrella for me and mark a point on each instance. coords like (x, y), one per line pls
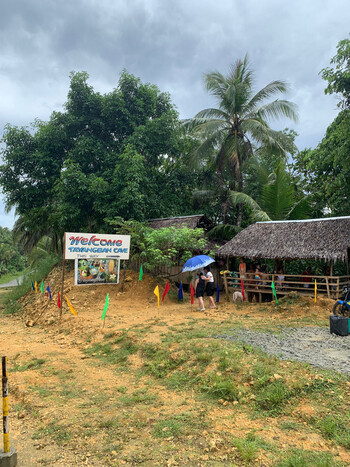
(197, 262)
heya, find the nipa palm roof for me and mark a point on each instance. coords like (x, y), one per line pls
(326, 239)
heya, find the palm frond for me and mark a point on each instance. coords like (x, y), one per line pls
(258, 213)
(278, 109)
(270, 90)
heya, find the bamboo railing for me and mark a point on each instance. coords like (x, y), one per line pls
(327, 286)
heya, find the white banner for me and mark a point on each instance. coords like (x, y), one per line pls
(87, 245)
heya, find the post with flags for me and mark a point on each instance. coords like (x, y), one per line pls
(242, 287)
(70, 307)
(315, 290)
(166, 290)
(274, 291)
(192, 296)
(180, 294)
(156, 293)
(217, 293)
(103, 317)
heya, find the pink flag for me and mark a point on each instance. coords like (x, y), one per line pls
(192, 294)
(166, 290)
(242, 287)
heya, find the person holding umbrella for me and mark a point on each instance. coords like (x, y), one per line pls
(199, 288)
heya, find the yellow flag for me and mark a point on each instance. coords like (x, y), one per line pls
(70, 307)
(315, 290)
(36, 286)
(156, 292)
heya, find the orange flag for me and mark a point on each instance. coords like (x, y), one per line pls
(70, 307)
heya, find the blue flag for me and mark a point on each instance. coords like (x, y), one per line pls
(33, 285)
(49, 291)
(217, 293)
(180, 294)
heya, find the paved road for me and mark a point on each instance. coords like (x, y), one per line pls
(13, 283)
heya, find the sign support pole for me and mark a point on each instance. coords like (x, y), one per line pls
(63, 268)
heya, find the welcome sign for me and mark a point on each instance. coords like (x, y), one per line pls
(88, 245)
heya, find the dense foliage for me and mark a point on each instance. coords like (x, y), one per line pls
(118, 154)
(115, 160)
(11, 256)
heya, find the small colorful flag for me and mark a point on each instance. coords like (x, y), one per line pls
(180, 295)
(274, 291)
(105, 308)
(49, 291)
(315, 290)
(217, 293)
(58, 300)
(141, 273)
(242, 287)
(42, 287)
(33, 286)
(166, 290)
(156, 293)
(192, 294)
(36, 287)
(70, 307)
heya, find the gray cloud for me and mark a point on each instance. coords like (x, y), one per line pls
(170, 44)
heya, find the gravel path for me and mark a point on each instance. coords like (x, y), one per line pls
(313, 345)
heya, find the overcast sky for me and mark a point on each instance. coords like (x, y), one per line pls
(170, 44)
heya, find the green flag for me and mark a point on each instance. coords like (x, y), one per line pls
(105, 308)
(141, 273)
(42, 287)
(274, 291)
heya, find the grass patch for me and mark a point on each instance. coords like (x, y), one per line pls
(249, 447)
(142, 396)
(34, 364)
(300, 458)
(55, 431)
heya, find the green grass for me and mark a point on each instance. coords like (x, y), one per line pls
(300, 458)
(34, 364)
(54, 430)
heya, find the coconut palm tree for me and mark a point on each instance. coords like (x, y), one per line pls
(231, 133)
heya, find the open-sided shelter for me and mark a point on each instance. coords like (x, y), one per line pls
(325, 239)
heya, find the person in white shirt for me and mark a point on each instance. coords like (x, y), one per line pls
(210, 286)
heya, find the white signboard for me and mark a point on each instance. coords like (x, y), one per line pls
(104, 246)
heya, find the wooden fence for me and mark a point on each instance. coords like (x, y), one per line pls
(327, 286)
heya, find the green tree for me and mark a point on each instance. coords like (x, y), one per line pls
(235, 130)
(279, 196)
(326, 169)
(103, 156)
(338, 76)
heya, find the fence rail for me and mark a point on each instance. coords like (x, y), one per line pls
(328, 286)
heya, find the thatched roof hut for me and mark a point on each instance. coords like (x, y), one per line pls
(327, 239)
(192, 222)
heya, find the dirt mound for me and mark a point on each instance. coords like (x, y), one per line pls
(39, 309)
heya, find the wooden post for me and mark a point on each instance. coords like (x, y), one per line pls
(327, 285)
(63, 268)
(226, 286)
(338, 287)
(5, 406)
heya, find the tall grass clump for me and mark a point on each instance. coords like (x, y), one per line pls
(37, 273)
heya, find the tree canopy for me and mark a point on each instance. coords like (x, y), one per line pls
(118, 154)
